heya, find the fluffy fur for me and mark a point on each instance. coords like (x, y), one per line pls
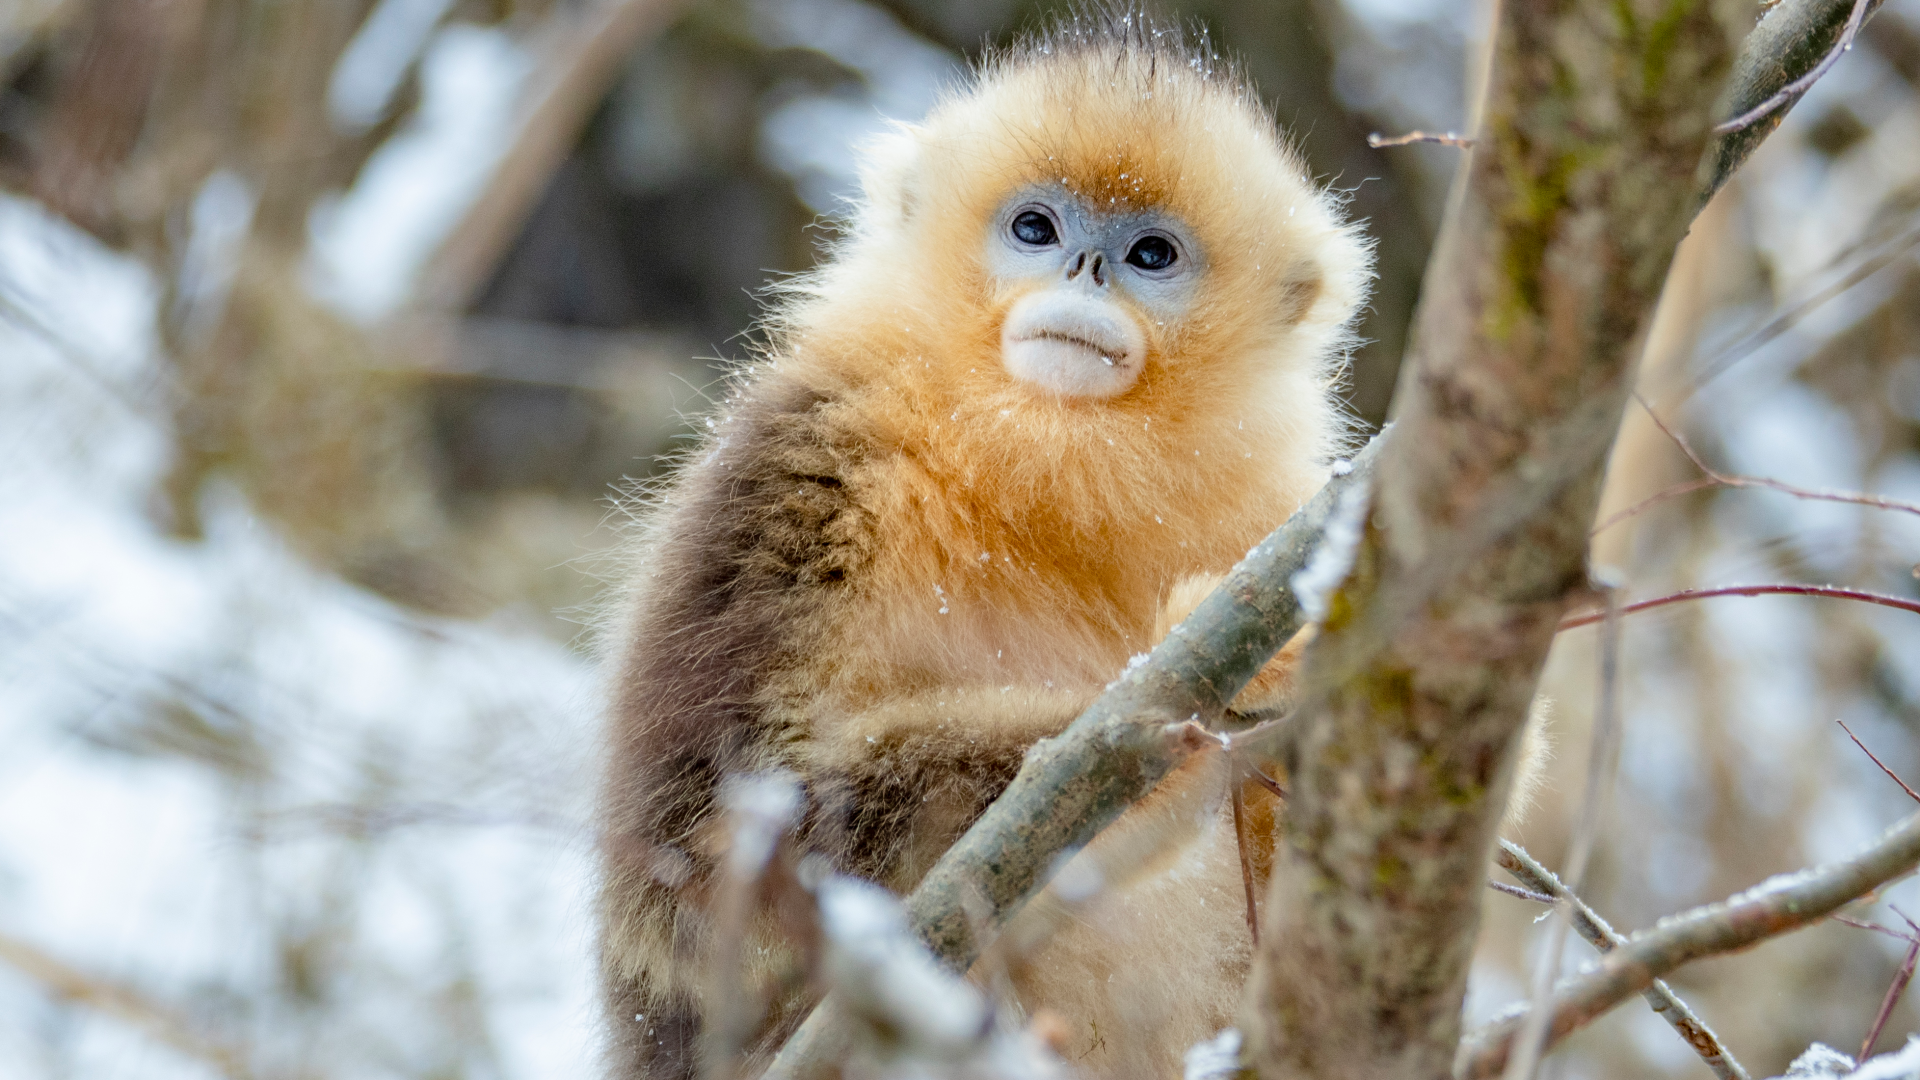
(892, 567)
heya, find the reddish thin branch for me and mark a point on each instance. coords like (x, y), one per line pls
(1875, 927)
(1829, 591)
(1791, 92)
(1716, 478)
(1234, 788)
(1899, 985)
(1915, 796)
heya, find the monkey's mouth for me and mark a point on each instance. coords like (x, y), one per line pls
(1073, 344)
(1105, 352)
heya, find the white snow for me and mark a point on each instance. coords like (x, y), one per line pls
(210, 750)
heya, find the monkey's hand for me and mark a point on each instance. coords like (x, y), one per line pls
(1271, 691)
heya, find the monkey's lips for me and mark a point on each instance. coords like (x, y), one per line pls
(1073, 343)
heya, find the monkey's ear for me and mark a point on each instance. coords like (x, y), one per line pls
(890, 178)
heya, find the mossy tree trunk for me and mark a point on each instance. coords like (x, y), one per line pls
(1582, 182)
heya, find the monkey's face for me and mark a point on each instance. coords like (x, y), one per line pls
(1091, 283)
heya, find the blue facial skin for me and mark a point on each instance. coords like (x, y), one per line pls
(1098, 250)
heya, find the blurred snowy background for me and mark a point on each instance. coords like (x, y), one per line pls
(327, 326)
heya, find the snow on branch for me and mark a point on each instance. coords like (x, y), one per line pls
(1773, 907)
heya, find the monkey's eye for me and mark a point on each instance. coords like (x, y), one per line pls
(1035, 228)
(1152, 253)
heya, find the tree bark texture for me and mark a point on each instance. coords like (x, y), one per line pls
(1580, 185)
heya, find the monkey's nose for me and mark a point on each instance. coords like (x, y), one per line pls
(1093, 264)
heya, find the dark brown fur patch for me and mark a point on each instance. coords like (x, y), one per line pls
(759, 534)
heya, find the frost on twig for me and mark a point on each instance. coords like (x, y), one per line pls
(1772, 908)
(1822, 1062)
(1588, 923)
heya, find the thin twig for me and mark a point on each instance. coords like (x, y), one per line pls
(1793, 90)
(1875, 927)
(1773, 908)
(1829, 591)
(1600, 769)
(1715, 478)
(1246, 855)
(1724, 361)
(1254, 774)
(1899, 985)
(1911, 794)
(1444, 138)
(1515, 890)
(1588, 923)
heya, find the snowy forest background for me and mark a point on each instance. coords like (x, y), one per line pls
(328, 326)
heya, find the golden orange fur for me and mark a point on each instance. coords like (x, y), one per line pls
(894, 565)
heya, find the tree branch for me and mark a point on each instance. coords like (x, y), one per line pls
(1589, 925)
(579, 60)
(1791, 43)
(1830, 591)
(1774, 907)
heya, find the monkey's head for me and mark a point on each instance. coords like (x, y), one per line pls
(1095, 276)
(1104, 212)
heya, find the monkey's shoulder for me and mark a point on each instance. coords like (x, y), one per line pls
(755, 546)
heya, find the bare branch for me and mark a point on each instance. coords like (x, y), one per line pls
(1899, 985)
(1794, 39)
(1515, 890)
(1601, 763)
(1829, 591)
(578, 61)
(1911, 794)
(1589, 925)
(1792, 91)
(1886, 256)
(1715, 478)
(1773, 908)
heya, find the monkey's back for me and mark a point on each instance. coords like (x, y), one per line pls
(760, 575)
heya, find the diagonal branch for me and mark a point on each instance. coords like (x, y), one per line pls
(1589, 925)
(1782, 57)
(1774, 907)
